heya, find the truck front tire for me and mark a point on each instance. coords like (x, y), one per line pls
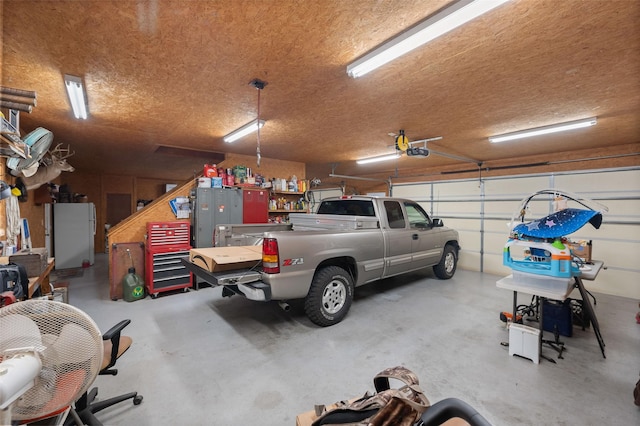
(329, 297)
(448, 263)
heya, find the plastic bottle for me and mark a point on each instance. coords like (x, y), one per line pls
(132, 284)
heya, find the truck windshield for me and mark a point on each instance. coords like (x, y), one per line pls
(347, 207)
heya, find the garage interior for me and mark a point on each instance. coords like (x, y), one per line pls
(165, 81)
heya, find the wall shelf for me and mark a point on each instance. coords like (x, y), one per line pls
(281, 211)
(291, 197)
(287, 192)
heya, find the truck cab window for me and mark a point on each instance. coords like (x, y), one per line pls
(347, 207)
(418, 218)
(395, 217)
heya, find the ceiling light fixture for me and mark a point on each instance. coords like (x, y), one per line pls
(445, 20)
(379, 158)
(244, 130)
(570, 125)
(75, 90)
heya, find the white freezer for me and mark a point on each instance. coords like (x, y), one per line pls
(74, 228)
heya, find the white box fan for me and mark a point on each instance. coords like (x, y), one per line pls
(50, 353)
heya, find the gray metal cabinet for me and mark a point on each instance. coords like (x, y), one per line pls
(212, 207)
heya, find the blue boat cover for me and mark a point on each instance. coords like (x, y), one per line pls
(560, 223)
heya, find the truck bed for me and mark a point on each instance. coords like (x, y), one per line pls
(245, 234)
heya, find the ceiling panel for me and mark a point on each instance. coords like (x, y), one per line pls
(176, 73)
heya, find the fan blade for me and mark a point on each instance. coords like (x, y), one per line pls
(19, 331)
(66, 345)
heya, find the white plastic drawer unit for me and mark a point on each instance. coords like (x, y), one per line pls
(524, 341)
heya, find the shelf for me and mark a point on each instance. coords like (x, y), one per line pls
(287, 192)
(288, 211)
(287, 198)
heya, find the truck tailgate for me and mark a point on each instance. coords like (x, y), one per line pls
(238, 276)
(245, 282)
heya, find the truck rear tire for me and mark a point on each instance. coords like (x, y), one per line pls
(329, 297)
(447, 266)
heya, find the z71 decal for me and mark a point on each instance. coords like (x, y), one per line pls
(291, 262)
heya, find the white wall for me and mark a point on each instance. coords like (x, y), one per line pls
(481, 211)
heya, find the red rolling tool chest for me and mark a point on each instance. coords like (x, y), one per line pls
(167, 243)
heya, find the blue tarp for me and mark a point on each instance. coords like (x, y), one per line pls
(559, 224)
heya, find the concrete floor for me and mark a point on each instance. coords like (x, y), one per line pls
(201, 359)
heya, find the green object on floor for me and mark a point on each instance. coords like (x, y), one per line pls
(132, 284)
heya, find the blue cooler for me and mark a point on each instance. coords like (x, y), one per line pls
(557, 315)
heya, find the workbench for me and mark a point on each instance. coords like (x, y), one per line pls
(587, 272)
(41, 282)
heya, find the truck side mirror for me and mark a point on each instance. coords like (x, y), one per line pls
(436, 223)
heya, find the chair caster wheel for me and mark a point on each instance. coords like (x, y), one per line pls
(137, 400)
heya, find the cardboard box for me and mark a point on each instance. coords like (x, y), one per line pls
(61, 292)
(34, 260)
(305, 419)
(581, 249)
(180, 207)
(216, 259)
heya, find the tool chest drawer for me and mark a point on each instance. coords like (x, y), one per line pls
(161, 235)
(165, 271)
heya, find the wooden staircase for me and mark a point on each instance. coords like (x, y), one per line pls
(134, 228)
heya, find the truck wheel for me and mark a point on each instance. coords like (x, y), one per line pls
(329, 297)
(447, 266)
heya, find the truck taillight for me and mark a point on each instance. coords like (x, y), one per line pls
(270, 263)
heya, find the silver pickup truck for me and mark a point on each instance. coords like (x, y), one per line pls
(348, 242)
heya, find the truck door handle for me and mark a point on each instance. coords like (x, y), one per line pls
(414, 236)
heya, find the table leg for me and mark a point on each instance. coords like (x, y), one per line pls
(540, 301)
(586, 304)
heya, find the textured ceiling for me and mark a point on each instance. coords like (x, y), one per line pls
(176, 74)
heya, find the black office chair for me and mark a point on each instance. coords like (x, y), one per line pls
(114, 346)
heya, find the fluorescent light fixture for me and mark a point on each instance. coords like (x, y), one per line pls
(570, 125)
(447, 19)
(244, 130)
(380, 158)
(75, 90)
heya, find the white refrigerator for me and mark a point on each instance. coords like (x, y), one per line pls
(74, 228)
